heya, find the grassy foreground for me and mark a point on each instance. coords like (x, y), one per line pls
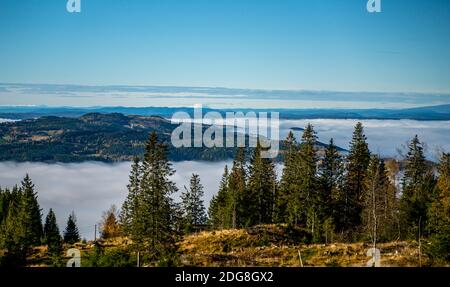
(268, 246)
(261, 246)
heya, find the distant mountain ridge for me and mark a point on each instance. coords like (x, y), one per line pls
(440, 112)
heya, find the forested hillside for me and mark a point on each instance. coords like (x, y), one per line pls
(95, 136)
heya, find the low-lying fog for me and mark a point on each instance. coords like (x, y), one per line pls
(90, 188)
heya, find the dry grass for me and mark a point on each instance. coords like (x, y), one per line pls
(244, 248)
(267, 246)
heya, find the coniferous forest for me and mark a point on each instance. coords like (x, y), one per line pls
(321, 198)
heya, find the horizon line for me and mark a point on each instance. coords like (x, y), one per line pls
(232, 88)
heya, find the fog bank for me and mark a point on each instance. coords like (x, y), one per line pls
(90, 188)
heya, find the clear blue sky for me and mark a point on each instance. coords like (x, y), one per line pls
(268, 44)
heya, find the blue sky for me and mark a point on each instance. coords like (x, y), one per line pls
(260, 44)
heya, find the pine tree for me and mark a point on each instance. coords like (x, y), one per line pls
(417, 186)
(237, 185)
(308, 194)
(260, 197)
(153, 228)
(30, 214)
(213, 212)
(331, 171)
(350, 202)
(130, 208)
(52, 237)
(192, 204)
(71, 234)
(220, 213)
(289, 183)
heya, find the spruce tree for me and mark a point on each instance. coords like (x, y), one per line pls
(262, 183)
(417, 188)
(289, 183)
(192, 204)
(30, 214)
(220, 213)
(130, 207)
(71, 234)
(237, 185)
(331, 171)
(308, 192)
(350, 202)
(52, 237)
(154, 231)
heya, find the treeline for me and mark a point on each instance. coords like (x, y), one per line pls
(326, 195)
(340, 198)
(22, 229)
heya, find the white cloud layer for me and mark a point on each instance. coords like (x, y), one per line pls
(142, 96)
(90, 188)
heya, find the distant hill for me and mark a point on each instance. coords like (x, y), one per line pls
(94, 136)
(441, 112)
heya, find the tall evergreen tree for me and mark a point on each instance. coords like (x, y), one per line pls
(261, 190)
(52, 237)
(192, 204)
(237, 187)
(153, 230)
(71, 234)
(30, 214)
(286, 201)
(220, 213)
(350, 203)
(309, 189)
(130, 208)
(331, 172)
(417, 186)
